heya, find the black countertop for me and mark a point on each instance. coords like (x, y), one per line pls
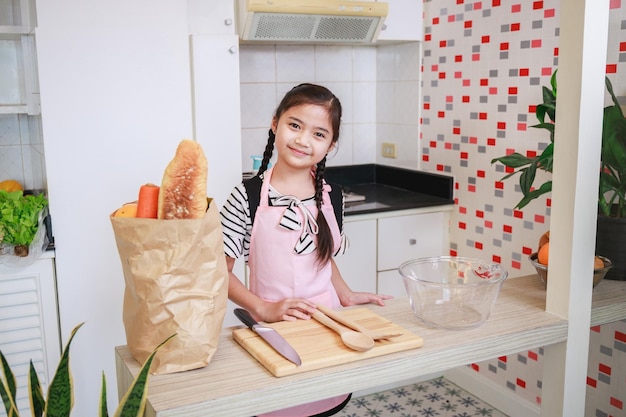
(388, 188)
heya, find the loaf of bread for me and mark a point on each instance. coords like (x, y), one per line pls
(183, 188)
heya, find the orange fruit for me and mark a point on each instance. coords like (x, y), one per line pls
(598, 263)
(10, 186)
(545, 238)
(542, 255)
(127, 210)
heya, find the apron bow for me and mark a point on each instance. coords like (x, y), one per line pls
(291, 221)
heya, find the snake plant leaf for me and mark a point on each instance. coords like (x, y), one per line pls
(60, 391)
(8, 388)
(9, 403)
(134, 401)
(102, 409)
(35, 394)
(8, 375)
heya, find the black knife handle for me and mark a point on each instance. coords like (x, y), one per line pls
(245, 317)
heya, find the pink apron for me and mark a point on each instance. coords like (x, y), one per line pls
(278, 272)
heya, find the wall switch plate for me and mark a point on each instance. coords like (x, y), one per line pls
(389, 150)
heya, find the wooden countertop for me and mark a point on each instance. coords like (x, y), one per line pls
(235, 384)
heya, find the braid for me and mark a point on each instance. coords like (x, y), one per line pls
(324, 236)
(267, 154)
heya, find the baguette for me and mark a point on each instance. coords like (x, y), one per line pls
(183, 188)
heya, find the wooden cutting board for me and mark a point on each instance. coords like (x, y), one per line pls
(319, 346)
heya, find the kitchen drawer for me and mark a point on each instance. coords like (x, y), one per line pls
(407, 237)
(358, 264)
(390, 283)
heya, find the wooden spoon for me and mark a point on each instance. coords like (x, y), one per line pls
(350, 338)
(376, 335)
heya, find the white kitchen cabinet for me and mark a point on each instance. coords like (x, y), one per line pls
(29, 326)
(403, 238)
(408, 237)
(211, 17)
(358, 264)
(380, 242)
(403, 22)
(18, 68)
(216, 124)
(17, 16)
(390, 283)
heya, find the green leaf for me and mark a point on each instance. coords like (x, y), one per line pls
(9, 402)
(35, 394)
(609, 88)
(60, 391)
(134, 401)
(527, 178)
(102, 409)
(514, 160)
(8, 388)
(8, 375)
(545, 188)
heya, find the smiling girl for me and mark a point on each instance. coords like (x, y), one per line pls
(290, 240)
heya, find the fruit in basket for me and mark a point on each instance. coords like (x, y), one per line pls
(127, 210)
(544, 250)
(542, 255)
(545, 238)
(11, 185)
(598, 262)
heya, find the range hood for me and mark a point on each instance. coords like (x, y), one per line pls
(318, 21)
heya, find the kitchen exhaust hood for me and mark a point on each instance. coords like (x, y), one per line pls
(316, 21)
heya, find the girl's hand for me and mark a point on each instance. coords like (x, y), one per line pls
(290, 309)
(355, 298)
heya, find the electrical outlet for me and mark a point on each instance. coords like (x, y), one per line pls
(389, 150)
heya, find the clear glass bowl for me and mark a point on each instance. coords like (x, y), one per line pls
(598, 273)
(452, 292)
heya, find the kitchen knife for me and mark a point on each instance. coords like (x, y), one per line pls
(271, 336)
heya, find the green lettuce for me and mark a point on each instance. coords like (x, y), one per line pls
(19, 216)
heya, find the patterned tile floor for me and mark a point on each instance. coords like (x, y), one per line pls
(435, 398)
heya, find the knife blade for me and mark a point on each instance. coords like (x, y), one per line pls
(270, 335)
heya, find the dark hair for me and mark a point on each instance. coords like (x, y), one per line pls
(311, 94)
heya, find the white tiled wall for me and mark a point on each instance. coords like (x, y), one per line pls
(21, 150)
(378, 88)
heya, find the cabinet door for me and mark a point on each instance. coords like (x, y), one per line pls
(29, 323)
(403, 22)
(408, 237)
(390, 283)
(358, 264)
(217, 125)
(215, 17)
(216, 109)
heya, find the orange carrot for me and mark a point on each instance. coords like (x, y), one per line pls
(148, 201)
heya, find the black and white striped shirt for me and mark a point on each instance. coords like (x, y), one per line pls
(237, 224)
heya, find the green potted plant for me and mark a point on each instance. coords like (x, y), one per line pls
(612, 189)
(60, 396)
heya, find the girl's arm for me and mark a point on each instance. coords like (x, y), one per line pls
(289, 309)
(347, 297)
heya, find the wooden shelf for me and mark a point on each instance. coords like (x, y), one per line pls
(609, 302)
(235, 384)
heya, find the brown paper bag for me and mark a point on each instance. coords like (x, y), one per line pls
(176, 282)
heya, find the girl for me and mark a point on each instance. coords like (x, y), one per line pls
(290, 242)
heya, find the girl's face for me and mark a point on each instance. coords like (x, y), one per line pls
(303, 135)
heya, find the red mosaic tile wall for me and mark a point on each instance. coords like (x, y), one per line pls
(483, 68)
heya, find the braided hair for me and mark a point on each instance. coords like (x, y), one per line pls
(311, 94)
